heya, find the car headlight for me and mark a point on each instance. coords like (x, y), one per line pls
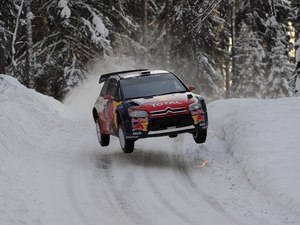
(195, 106)
(137, 113)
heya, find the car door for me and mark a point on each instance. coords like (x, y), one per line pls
(110, 102)
(102, 105)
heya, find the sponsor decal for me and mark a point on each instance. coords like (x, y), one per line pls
(198, 118)
(203, 125)
(139, 124)
(139, 120)
(196, 112)
(166, 103)
(131, 136)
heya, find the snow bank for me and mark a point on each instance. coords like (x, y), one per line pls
(26, 119)
(24, 114)
(264, 136)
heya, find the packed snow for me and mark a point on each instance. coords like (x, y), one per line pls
(264, 136)
(53, 171)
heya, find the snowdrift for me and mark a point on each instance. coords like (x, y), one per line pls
(24, 115)
(264, 136)
(26, 119)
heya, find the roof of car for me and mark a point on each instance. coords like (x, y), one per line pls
(130, 73)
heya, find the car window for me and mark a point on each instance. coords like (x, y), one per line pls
(113, 89)
(148, 86)
(104, 90)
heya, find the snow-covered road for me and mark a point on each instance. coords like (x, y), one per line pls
(155, 185)
(53, 172)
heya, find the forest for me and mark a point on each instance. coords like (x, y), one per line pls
(227, 48)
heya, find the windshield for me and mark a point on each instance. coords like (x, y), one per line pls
(152, 85)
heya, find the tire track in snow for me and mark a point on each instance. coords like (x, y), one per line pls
(154, 187)
(179, 193)
(183, 167)
(123, 197)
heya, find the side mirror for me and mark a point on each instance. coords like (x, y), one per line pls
(191, 88)
(108, 97)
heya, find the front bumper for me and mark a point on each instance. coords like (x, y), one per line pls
(165, 132)
(137, 128)
(171, 130)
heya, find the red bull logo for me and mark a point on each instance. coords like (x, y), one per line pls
(200, 118)
(196, 112)
(138, 127)
(139, 124)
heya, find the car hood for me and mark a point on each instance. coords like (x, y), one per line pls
(165, 104)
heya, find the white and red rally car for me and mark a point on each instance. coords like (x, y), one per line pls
(147, 103)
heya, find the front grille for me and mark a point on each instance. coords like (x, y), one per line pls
(170, 121)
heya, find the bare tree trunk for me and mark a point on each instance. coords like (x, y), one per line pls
(13, 50)
(29, 53)
(2, 60)
(145, 29)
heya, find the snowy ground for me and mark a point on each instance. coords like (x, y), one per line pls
(53, 171)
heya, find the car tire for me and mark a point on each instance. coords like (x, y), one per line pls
(102, 138)
(126, 145)
(200, 136)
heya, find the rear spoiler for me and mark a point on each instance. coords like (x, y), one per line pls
(104, 77)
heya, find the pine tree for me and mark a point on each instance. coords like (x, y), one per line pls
(66, 35)
(249, 77)
(295, 81)
(195, 46)
(6, 31)
(280, 70)
(191, 38)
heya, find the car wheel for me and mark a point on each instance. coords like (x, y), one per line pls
(126, 145)
(102, 138)
(200, 136)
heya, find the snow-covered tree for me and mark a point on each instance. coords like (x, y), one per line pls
(194, 31)
(191, 38)
(66, 35)
(295, 82)
(280, 71)
(250, 68)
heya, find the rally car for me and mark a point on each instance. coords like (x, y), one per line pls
(146, 103)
